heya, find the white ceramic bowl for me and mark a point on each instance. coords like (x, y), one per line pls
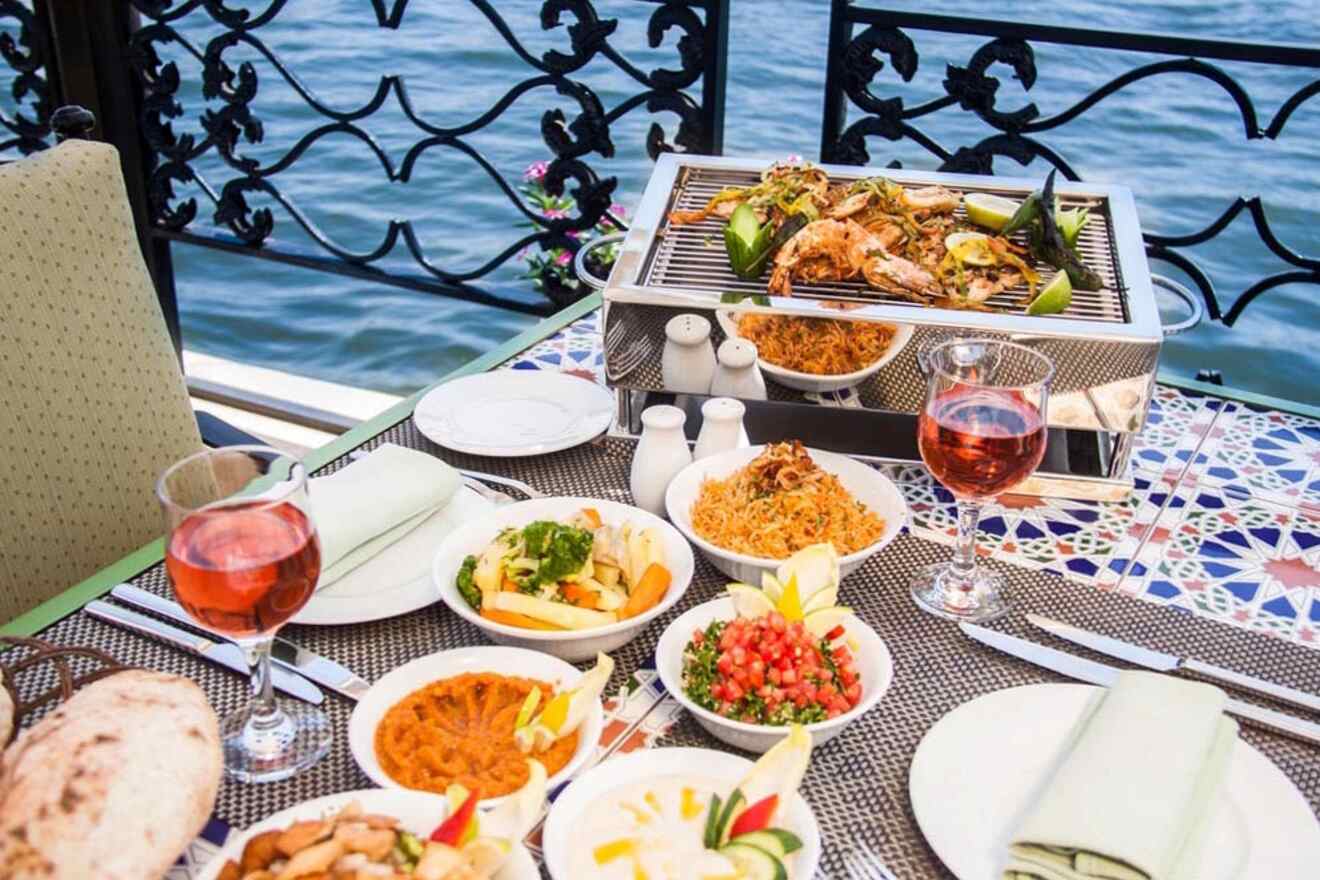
(872, 657)
(815, 381)
(563, 832)
(418, 673)
(865, 483)
(574, 645)
(417, 811)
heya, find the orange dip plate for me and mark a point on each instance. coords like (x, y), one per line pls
(460, 730)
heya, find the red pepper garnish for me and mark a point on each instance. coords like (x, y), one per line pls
(450, 831)
(755, 818)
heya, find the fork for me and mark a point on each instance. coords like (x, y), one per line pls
(614, 335)
(863, 864)
(506, 482)
(630, 359)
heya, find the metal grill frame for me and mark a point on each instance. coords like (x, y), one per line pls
(628, 282)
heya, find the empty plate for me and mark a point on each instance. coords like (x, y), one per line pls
(512, 413)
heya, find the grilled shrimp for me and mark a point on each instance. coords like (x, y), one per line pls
(934, 199)
(899, 276)
(820, 251)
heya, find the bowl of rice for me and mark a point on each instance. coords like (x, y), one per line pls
(749, 509)
(816, 354)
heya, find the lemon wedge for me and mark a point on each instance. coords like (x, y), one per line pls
(990, 211)
(823, 620)
(528, 707)
(749, 601)
(972, 248)
(566, 710)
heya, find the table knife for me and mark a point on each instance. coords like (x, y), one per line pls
(285, 653)
(1098, 673)
(1162, 662)
(225, 654)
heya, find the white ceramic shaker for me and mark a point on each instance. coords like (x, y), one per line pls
(737, 374)
(688, 362)
(721, 427)
(661, 453)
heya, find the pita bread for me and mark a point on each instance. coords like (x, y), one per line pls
(112, 784)
(6, 715)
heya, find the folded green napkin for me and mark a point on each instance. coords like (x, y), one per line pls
(1132, 797)
(365, 507)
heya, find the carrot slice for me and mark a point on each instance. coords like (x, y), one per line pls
(593, 516)
(578, 595)
(512, 619)
(510, 586)
(650, 589)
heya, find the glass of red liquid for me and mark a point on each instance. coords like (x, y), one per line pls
(243, 556)
(981, 433)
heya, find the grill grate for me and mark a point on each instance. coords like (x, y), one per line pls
(692, 257)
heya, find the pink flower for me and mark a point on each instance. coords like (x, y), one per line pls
(618, 210)
(536, 170)
(794, 159)
(554, 214)
(571, 233)
(564, 258)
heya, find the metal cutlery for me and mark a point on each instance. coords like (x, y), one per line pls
(283, 652)
(506, 482)
(224, 654)
(1162, 662)
(1090, 671)
(863, 864)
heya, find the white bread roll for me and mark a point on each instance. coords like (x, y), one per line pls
(113, 784)
(6, 716)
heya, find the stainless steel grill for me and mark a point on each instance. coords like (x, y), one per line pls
(692, 256)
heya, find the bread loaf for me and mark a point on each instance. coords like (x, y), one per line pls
(113, 784)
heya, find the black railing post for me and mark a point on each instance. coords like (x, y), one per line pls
(836, 104)
(91, 43)
(715, 53)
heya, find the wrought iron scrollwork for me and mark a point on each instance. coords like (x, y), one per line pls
(27, 129)
(231, 124)
(1016, 134)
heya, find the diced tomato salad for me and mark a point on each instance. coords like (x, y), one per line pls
(766, 670)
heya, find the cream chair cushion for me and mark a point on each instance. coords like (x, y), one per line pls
(94, 404)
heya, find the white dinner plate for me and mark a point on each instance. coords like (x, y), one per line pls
(562, 832)
(417, 674)
(417, 811)
(360, 597)
(513, 413)
(978, 767)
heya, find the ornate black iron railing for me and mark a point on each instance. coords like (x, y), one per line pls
(227, 219)
(24, 48)
(857, 60)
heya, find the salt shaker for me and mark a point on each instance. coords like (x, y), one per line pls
(721, 427)
(688, 362)
(661, 453)
(737, 374)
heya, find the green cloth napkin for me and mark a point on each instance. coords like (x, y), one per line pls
(365, 507)
(1132, 797)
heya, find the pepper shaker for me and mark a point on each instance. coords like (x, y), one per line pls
(721, 427)
(688, 361)
(661, 453)
(737, 374)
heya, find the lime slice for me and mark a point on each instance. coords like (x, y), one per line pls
(749, 601)
(992, 212)
(823, 620)
(816, 568)
(824, 599)
(1054, 298)
(972, 248)
(790, 604)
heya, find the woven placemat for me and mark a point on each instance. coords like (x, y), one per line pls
(857, 783)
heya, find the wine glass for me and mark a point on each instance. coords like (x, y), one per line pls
(981, 433)
(243, 557)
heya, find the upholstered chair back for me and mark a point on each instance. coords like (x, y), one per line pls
(93, 405)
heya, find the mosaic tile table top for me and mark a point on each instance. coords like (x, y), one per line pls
(1224, 521)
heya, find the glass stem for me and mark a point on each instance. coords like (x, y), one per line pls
(265, 714)
(964, 553)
